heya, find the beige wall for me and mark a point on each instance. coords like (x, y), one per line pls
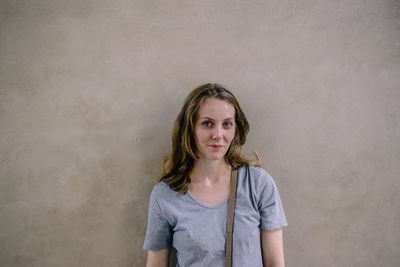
(89, 91)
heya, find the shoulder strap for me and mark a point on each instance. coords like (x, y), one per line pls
(231, 215)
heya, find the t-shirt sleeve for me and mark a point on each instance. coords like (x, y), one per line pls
(158, 232)
(270, 204)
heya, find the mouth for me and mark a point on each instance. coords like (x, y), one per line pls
(215, 146)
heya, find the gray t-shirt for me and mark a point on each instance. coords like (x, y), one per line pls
(197, 232)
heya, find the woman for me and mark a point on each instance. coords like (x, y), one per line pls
(188, 207)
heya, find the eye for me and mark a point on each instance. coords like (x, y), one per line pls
(206, 123)
(227, 124)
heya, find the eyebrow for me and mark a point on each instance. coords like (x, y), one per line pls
(208, 118)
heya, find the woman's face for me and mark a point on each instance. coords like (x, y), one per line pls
(214, 128)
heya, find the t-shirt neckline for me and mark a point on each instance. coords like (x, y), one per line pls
(204, 205)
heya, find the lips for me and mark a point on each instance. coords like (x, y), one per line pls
(215, 145)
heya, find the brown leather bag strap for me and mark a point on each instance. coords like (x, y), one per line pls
(231, 215)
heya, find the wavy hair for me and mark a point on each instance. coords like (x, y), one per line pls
(180, 162)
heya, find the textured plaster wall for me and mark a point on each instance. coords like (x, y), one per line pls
(89, 91)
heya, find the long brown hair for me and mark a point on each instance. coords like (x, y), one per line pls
(184, 151)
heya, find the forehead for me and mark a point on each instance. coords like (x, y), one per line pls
(216, 109)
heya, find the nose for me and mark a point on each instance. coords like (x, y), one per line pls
(217, 133)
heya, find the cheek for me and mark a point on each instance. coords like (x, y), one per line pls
(201, 135)
(231, 136)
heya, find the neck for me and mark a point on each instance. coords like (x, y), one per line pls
(211, 170)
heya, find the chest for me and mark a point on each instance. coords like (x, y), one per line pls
(207, 225)
(210, 195)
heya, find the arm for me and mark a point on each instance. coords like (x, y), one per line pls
(272, 248)
(158, 258)
(158, 238)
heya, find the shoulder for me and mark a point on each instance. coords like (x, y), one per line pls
(257, 181)
(257, 175)
(258, 171)
(161, 191)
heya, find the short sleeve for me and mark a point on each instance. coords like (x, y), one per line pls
(158, 232)
(270, 204)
